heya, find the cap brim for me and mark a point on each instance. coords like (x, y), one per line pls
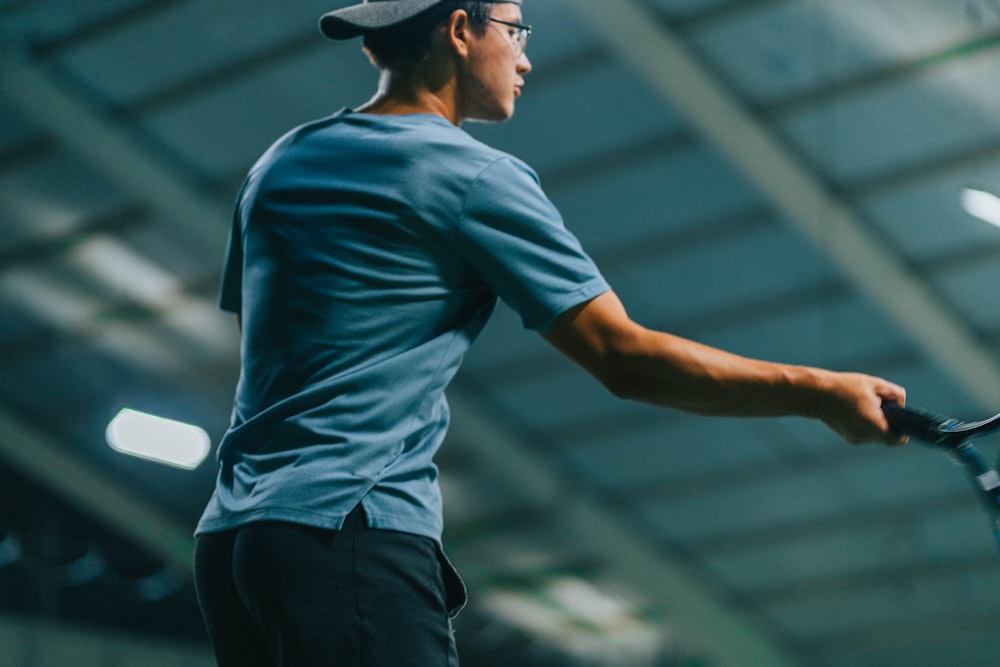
(357, 19)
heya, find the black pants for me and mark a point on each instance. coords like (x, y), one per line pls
(283, 595)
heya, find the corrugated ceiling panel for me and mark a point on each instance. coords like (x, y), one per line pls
(50, 197)
(790, 48)
(224, 131)
(641, 204)
(552, 119)
(728, 273)
(679, 447)
(740, 506)
(934, 644)
(874, 542)
(825, 331)
(821, 556)
(972, 287)
(554, 400)
(36, 21)
(923, 217)
(863, 135)
(687, 8)
(15, 129)
(186, 40)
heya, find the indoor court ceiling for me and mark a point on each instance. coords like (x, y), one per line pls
(780, 178)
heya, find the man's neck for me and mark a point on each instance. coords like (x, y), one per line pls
(412, 94)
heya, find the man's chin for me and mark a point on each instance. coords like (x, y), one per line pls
(498, 117)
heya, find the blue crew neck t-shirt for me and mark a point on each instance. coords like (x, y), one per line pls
(367, 253)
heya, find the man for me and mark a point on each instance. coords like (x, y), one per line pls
(367, 253)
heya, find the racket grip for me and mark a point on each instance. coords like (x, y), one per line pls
(914, 423)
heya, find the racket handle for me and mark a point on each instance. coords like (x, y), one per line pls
(915, 423)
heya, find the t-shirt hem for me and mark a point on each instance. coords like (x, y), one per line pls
(378, 520)
(298, 516)
(403, 525)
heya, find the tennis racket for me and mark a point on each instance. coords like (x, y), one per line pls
(954, 437)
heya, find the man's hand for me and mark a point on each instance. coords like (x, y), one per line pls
(852, 407)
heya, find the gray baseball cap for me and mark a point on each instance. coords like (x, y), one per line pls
(374, 14)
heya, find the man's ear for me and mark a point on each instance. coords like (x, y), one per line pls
(458, 32)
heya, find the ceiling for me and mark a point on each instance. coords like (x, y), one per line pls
(779, 178)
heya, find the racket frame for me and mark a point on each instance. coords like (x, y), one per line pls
(954, 437)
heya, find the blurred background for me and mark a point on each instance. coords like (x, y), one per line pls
(809, 181)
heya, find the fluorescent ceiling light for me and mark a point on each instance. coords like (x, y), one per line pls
(589, 602)
(158, 439)
(124, 271)
(577, 618)
(981, 204)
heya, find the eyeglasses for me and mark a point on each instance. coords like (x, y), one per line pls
(518, 34)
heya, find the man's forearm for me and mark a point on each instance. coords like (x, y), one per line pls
(666, 370)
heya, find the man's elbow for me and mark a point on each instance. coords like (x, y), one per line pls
(623, 390)
(620, 372)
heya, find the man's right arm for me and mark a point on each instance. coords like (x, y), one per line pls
(638, 363)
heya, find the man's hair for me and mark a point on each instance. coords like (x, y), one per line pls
(409, 43)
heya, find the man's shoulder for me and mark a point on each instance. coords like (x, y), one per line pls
(421, 144)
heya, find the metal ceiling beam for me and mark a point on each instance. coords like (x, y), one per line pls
(664, 62)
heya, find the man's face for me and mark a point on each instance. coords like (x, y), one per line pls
(496, 69)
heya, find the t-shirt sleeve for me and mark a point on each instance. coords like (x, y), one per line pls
(231, 289)
(515, 238)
